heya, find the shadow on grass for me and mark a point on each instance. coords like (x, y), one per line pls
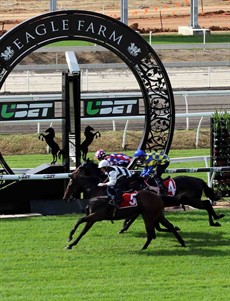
(193, 215)
(197, 243)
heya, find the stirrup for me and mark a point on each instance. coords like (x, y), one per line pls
(114, 212)
(112, 202)
(163, 192)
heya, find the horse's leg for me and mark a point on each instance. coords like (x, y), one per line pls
(97, 134)
(158, 227)
(210, 193)
(172, 229)
(212, 212)
(41, 135)
(54, 159)
(83, 232)
(127, 223)
(84, 154)
(89, 224)
(150, 230)
(80, 221)
(206, 205)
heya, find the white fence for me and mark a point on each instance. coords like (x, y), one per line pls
(29, 177)
(115, 79)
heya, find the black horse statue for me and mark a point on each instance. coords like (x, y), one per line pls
(89, 136)
(49, 139)
(190, 189)
(146, 203)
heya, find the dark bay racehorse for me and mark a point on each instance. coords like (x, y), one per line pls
(49, 139)
(89, 136)
(191, 190)
(148, 204)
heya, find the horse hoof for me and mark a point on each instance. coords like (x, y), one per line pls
(177, 228)
(68, 247)
(221, 215)
(217, 225)
(121, 232)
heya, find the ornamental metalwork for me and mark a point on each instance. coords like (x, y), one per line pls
(115, 36)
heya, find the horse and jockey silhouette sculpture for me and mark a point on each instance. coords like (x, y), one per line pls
(49, 139)
(89, 136)
(148, 204)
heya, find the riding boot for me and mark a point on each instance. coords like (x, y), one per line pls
(116, 206)
(160, 183)
(113, 203)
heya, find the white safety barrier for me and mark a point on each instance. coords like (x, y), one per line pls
(24, 177)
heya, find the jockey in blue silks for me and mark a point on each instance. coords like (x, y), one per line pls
(155, 160)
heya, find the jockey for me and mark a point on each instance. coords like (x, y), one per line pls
(117, 180)
(119, 159)
(158, 160)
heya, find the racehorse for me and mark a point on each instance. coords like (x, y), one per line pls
(89, 136)
(146, 203)
(190, 189)
(49, 138)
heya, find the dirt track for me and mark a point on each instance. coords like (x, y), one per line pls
(214, 13)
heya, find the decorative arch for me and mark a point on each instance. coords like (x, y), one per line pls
(113, 35)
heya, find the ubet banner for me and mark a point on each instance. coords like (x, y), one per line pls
(26, 111)
(111, 107)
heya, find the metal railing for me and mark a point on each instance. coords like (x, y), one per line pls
(100, 79)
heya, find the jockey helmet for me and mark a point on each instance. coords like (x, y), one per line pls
(140, 153)
(103, 163)
(100, 154)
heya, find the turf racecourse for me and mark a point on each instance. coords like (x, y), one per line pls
(108, 266)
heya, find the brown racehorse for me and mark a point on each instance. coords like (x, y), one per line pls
(190, 190)
(148, 204)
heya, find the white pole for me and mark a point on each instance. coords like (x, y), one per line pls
(124, 11)
(53, 5)
(204, 35)
(150, 37)
(186, 110)
(27, 78)
(124, 134)
(209, 76)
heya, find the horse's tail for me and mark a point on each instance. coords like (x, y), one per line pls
(210, 193)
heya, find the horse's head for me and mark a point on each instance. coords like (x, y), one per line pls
(88, 168)
(88, 129)
(50, 133)
(50, 130)
(84, 179)
(81, 184)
